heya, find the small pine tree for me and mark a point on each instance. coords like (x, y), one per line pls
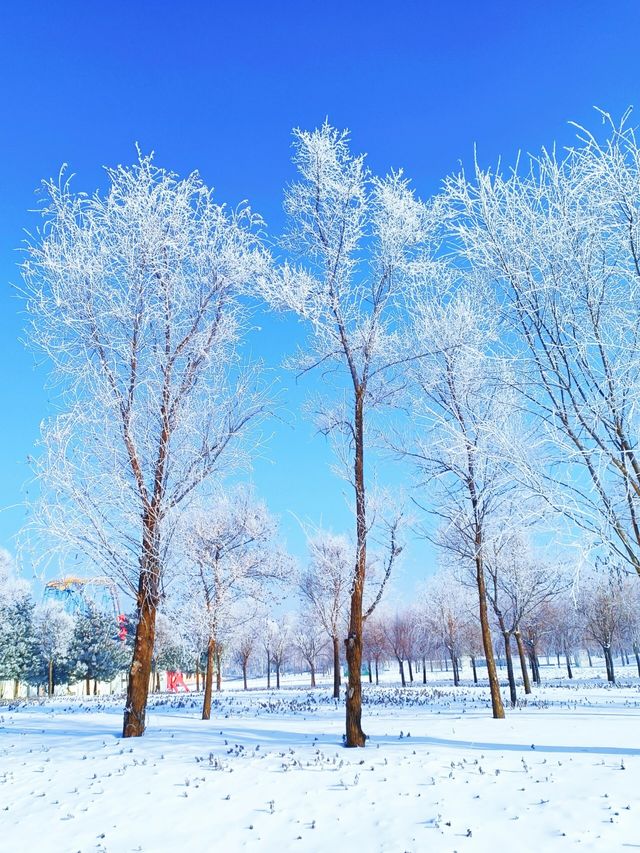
(18, 648)
(95, 652)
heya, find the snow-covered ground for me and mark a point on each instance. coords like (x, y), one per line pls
(269, 772)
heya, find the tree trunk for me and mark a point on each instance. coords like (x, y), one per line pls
(336, 666)
(454, 667)
(244, 673)
(51, 676)
(268, 670)
(377, 678)
(208, 680)
(424, 671)
(313, 675)
(608, 659)
(198, 674)
(138, 686)
(401, 667)
(523, 662)
(277, 675)
(16, 688)
(87, 685)
(473, 667)
(568, 660)
(636, 652)
(494, 684)
(218, 668)
(370, 670)
(354, 734)
(157, 681)
(589, 658)
(512, 681)
(410, 670)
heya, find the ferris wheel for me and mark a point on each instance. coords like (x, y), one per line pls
(79, 595)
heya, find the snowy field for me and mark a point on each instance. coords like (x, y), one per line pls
(269, 772)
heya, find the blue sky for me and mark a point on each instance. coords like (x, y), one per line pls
(218, 87)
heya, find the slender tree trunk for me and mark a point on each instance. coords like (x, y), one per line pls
(636, 652)
(138, 685)
(16, 688)
(313, 674)
(401, 667)
(454, 667)
(589, 658)
(473, 667)
(218, 668)
(523, 662)
(87, 685)
(198, 674)
(512, 681)
(208, 680)
(336, 666)
(51, 676)
(558, 658)
(268, 670)
(608, 658)
(431, 664)
(410, 670)
(370, 670)
(354, 733)
(157, 681)
(494, 684)
(568, 660)
(377, 678)
(424, 671)
(278, 675)
(244, 673)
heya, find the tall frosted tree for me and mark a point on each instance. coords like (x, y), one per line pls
(133, 299)
(360, 240)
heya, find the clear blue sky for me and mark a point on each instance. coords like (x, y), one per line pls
(218, 87)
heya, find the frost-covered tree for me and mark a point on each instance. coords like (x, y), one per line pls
(309, 638)
(558, 237)
(132, 297)
(325, 586)
(231, 562)
(446, 609)
(53, 632)
(18, 647)
(361, 240)
(463, 406)
(95, 653)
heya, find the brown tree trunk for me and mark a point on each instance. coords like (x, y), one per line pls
(87, 685)
(138, 686)
(208, 680)
(16, 688)
(454, 666)
(487, 643)
(523, 663)
(336, 667)
(244, 673)
(313, 675)
(354, 734)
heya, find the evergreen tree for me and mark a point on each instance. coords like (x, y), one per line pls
(95, 651)
(18, 649)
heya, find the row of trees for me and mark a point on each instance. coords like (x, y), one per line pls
(502, 313)
(42, 645)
